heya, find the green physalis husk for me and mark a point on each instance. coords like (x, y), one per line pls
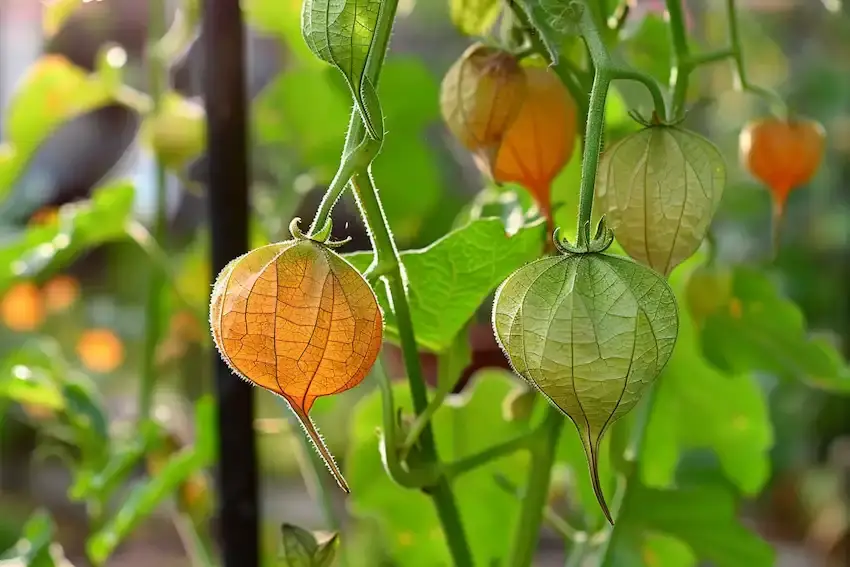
(591, 331)
(659, 189)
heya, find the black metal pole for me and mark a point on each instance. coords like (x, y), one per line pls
(224, 78)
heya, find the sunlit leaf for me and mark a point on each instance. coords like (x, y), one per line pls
(298, 320)
(342, 33)
(697, 406)
(448, 280)
(659, 189)
(34, 547)
(474, 17)
(591, 332)
(701, 514)
(52, 92)
(465, 425)
(757, 329)
(77, 227)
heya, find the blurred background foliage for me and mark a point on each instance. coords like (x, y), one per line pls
(77, 191)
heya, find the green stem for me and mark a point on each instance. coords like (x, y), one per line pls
(386, 255)
(536, 490)
(648, 82)
(578, 552)
(457, 468)
(680, 73)
(158, 76)
(198, 545)
(622, 498)
(738, 56)
(593, 146)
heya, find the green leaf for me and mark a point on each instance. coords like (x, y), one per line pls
(551, 33)
(653, 549)
(298, 546)
(30, 385)
(591, 332)
(33, 548)
(465, 425)
(474, 17)
(326, 552)
(100, 484)
(78, 226)
(144, 499)
(448, 280)
(342, 32)
(51, 93)
(279, 116)
(704, 516)
(697, 406)
(757, 329)
(659, 189)
(39, 374)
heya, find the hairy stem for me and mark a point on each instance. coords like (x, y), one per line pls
(158, 77)
(387, 263)
(387, 254)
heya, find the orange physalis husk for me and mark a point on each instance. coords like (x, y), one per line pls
(480, 97)
(782, 154)
(541, 139)
(297, 319)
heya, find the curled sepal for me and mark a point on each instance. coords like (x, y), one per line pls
(591, 332)
(322, 236)
(660, 188)
(297, 319)
(601, 241)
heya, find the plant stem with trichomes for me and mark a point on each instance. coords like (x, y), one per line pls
(685, 63)
(388, 265)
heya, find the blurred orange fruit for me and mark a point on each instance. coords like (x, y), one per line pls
(22, 307)
(541, 138)
(100, 350)
(60, 293)
(45, 215)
